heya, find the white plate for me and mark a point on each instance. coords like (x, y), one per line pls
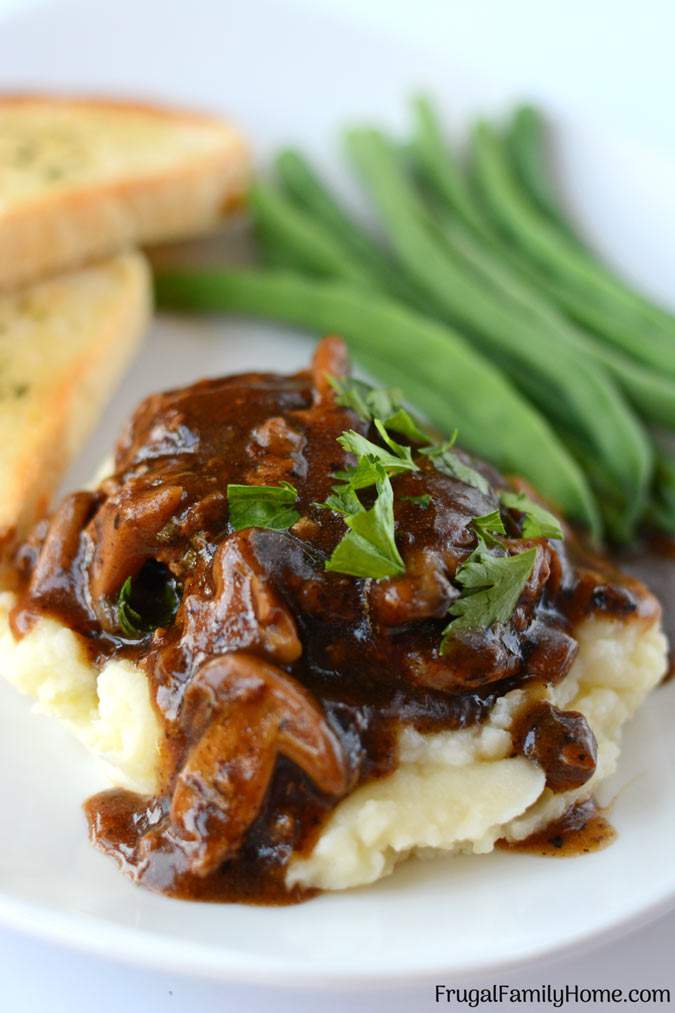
(288, 72)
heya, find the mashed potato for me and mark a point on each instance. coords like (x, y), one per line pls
(109, 710)
(455, 791)
(461, 791)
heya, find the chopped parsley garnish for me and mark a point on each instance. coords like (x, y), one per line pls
(369, 547)
(382, 403)
(147, 601)
(491, 586)
(538, 522)
(361, 475)
(450, 463)
(395, 460)
(352, 394)
(343, 499)
(401, 421)
(262, 506)
(398, 449)
(489, 525)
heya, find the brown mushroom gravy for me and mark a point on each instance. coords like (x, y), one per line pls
(280, 686)
(653, 561)
(580, 830)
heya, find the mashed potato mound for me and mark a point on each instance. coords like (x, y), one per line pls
(454, 791)
(461, 791)
(109, 710)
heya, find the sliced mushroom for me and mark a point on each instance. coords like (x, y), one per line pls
(276, 448)
(52, 580)
(549, 652)
(330, 360)
(473, 660)
(125, 534)
(241, 713)
(423, 592)
(562, 742)
(244, 612)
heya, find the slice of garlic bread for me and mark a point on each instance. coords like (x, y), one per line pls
(64, 344)
(82, 179)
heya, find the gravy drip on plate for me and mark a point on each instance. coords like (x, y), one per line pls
(584, 828)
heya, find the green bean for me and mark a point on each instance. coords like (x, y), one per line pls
(546, 370)
(646, 386)
(438, 165)
(525, 143)
(307, 243)
(273, 252)
(652, 395)
(649, 331)
(661, 510)
(620, 528)
(604, 322)
(468, 392)
(302, 184)
(442, 172)
(602, 327)
(650, 391)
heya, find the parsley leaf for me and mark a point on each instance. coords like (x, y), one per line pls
(491, 586)
(369, 547)
(394, 463)
(343, 498)
(489, 525)
(262, 506)
(361, 475)
(147, 601)
(538, 522)
(402, 422)
(398, 449)
(449, 463)
(382, 403)
(352, 394)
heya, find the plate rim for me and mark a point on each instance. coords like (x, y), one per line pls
(145, 949)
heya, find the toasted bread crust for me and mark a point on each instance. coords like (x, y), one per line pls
(118, 103)
(60, 229)
(71, 395)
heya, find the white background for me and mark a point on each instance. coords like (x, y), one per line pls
(636, 96)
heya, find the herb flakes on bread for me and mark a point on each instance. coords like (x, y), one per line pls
(81, 179)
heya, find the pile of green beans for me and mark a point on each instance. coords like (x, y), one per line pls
(560, 380)
(624, 318)
(606, 328)
(527, 150)
(483, 305)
